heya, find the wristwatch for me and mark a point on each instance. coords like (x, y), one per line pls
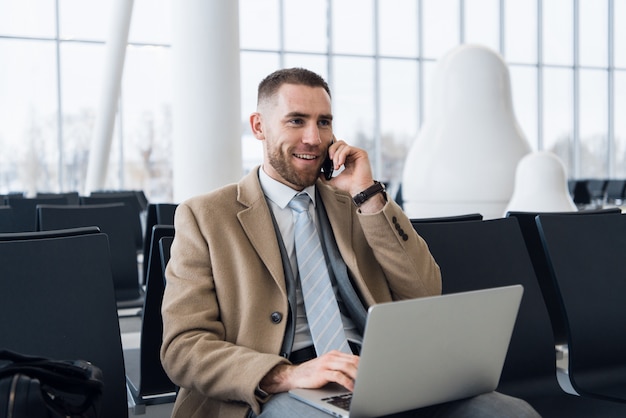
(373, 190)
(260, 393)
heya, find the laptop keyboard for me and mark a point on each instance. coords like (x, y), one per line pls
(340, 401)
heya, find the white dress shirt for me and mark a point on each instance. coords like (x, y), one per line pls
(279, 195)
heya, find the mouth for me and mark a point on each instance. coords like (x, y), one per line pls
(306, 156)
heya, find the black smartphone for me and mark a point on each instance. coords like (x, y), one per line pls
(327, 166)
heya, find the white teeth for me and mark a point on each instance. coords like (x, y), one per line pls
(305, 156)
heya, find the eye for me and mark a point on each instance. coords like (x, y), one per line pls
(296, 121)
(324, 122)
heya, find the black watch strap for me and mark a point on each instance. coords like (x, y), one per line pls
(261, 394)
(373, 190)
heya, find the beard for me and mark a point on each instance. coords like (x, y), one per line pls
(299, 178)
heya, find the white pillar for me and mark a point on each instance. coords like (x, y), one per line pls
(206, 103)
(111, 82)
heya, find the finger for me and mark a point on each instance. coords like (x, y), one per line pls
(346, 364)
(341, 379)
(340, 152)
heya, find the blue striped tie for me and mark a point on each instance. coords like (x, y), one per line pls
(320, 303)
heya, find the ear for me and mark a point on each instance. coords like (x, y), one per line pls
(256, 124)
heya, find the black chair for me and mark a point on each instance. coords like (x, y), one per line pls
(164, 249)
(452, 218)
(586, 258)
(580, 193)
(615, 191)
(25, 210)
(139, 194)
(73, 198)
(133, 206)
(147, 381)
(112, 219)
(7, 224)
(70, 232)
(156, 214)
(15, 195)
(57, 300)
(528, 225)
(597, 190)
(478, 255)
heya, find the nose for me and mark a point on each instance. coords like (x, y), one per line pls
(311, 135)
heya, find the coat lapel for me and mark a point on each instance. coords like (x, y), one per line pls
(256, 222)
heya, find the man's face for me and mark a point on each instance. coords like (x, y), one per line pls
(296, 126)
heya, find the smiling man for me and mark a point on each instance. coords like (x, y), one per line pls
(239, 327)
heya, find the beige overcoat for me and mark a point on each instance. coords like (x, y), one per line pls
(225, 304)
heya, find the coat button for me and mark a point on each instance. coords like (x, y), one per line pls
(276, 317)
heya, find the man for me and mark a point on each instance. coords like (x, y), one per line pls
(236, 332)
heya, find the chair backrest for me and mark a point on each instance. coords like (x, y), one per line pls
(165, 244)
(153, 377)
(25, 210)
(156, 214)
(464, 157)
(452, 218)
(528, 225)
(615, 191)
(7, 224)
(580, 192)
(586, 258)
(73, 198)
(57, 233)
(133, 207)
(139, 194)
(597, 189)
(112, 219)
(477, 255)
(15, 195)
(57, 300)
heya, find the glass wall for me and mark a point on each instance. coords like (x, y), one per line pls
(566, 57)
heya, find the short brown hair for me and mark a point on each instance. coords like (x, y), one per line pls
(301, 76)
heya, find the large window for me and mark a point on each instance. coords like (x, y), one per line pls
(567, 62)
(50, 90)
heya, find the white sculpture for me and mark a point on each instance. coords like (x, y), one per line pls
(465, 156)
(541, 185)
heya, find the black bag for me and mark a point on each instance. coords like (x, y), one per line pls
(33, 387)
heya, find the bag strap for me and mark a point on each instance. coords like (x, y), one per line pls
(60, 370)
(15, 357)
(71, 376)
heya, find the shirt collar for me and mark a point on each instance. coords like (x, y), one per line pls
(280, 193)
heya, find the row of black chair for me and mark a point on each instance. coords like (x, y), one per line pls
(58, 300)
(472, 254)
(116, 214)
(23, 215)
(476, 254)
(597, 191)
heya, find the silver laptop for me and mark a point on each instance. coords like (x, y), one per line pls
(426, 351)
